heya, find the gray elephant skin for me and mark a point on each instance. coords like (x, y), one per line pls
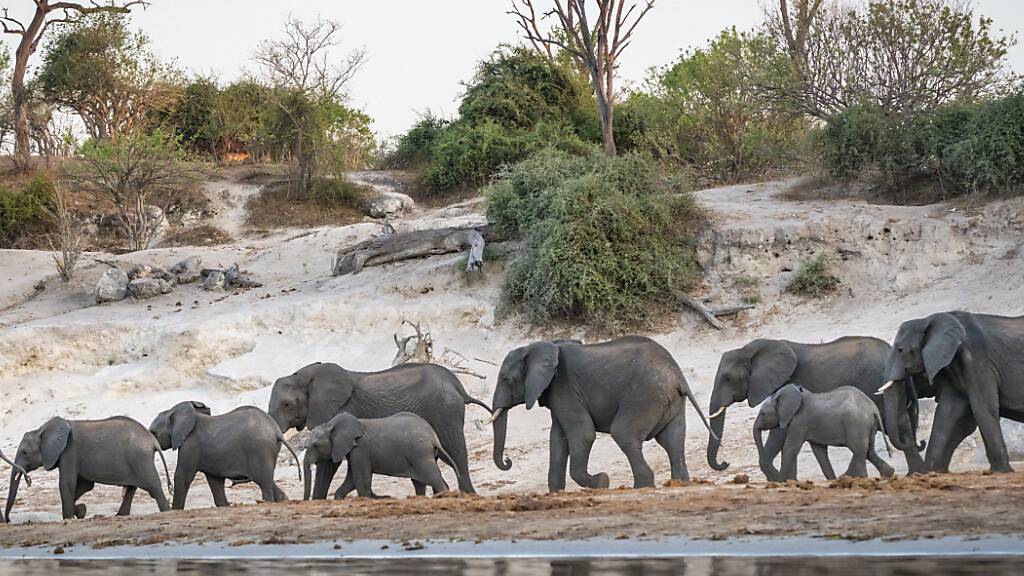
(3, 515)
(973, 365)
(629, 387)
(241, 445)
(841, 417)
(315, 394)
(403, 445)
(762, 367)
(117, 451)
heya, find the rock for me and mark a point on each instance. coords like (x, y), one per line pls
(145, 288)
(112, 286)
(188, 270)
(142, 271)
(215, 280)
(389, 204)
(245, 280)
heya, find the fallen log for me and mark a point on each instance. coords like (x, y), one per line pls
(416, 244)
(712, 315)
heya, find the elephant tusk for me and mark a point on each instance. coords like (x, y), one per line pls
(717, 413)
(495, 415)
(885, 387)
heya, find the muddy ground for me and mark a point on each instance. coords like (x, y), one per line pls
(933, 506)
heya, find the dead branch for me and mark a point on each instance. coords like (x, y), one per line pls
(408, 245)
(712, 315)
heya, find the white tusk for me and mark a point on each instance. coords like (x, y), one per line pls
(885, 387)
(717, 413)
(494, 416)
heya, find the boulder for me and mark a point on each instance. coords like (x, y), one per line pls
(389, 204)
(145, 288)
(188, 270)
(215, 280)
(112, 286)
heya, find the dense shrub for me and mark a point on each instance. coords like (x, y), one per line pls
(416, 147)
(333, 192)
(813, 278)
(610, 241)
(25, 208)
(967, 148)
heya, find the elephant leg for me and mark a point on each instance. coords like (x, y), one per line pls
(581, 435)
(361, 472)
(633, 448)
(419, 487)
(348, 486)
(883, 467)
(790, 452)
(984, 399)
(264, 478)
(153, 488)
(184, 475)
(68, 486)
(673, 439)
(558, 459)
(126, 501)
(953, 423)
(279, 495)
(858, 462)
(821, 455)
(325, 471)
(915, 462)
(772, 447)
(430, 474)
(81, 489)
(216, 484)
(454, 443)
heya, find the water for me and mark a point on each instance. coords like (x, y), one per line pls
(699, 566)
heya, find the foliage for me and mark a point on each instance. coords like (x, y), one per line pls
(415, 148)
(108, 75)
(124, 172)
(24, 208)
(813, 278)
(332, 192)
(65, 237)
(706, 111)
(196, 116)
(903, 56)
(609, 239)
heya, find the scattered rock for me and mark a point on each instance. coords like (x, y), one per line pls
(142, 271)
(215, 280)
(188, 270)
(740, 479)
(112, 286)
(389, 204)
(145, 288)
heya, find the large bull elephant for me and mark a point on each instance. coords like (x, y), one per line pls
(973, 365)
(757, 370)
(630, 387)
(318, 392)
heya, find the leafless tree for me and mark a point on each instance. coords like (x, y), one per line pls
(595, 41)
(65, 238)
(47, 13)
(302, 66)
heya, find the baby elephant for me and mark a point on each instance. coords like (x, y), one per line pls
(402, 445)
(241, 445)
(841, 417)
(117, 451)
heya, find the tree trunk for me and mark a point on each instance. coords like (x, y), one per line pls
(407, 245)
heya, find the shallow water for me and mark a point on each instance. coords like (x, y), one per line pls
(703, 566)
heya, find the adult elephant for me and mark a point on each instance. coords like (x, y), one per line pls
(629, 387)
(973, 365)
(318, 392)
(757, 370)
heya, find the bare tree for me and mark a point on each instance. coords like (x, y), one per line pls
(595, 41)
(65, 239)
(303, 73)
(31, 33)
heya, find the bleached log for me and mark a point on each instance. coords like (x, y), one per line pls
(416, 244)
(712, 315)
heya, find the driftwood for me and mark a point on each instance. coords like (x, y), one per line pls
(419, 347)
(712, 315)
(417, 244)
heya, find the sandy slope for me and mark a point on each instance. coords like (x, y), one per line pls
(59, 354)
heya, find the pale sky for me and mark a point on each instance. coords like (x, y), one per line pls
(421, 50)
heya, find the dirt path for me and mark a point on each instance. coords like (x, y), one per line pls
(965, 505)
(230, 200)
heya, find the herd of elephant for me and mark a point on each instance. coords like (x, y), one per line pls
(401, 421)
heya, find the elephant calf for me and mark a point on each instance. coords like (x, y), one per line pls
(403, 445)
(241, 445)
(842, 417)
(117, 451)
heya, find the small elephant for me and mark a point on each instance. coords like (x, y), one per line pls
(117, 451)
(241, 445)
(403, 445)
(842, 417)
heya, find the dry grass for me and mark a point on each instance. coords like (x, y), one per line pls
(278, 206)
(199, 235)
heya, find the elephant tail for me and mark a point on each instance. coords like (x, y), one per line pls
(443, 455)
(885, 437)
(294, 455)
(471, 400)
(703, 418)
(167, 473)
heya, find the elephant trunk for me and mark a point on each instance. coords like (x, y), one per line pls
(500, 424)
(895, 414)
(717, 411)
(307, 476)
(12, 493)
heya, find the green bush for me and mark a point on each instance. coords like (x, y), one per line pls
(610, 241)
(24, 208)
(813, 278)
(415, 148)
(967, 148)
(334, 192)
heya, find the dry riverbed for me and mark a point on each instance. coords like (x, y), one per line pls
(933, 506)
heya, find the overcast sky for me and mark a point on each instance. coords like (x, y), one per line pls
(421, 50)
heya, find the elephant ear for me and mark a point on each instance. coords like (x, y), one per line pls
(183, 421)
(330, 386)
(53, 439)
(771, 366)
(942, 340)
(789, 400)
(346, 433)
(541, 361)
(201, 408)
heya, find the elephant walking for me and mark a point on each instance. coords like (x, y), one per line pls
(315, 394)
(973, 365)
(629, 387)
(762, 367)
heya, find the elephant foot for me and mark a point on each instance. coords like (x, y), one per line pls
(601, 480)
(80, 511)
(1001, 469)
